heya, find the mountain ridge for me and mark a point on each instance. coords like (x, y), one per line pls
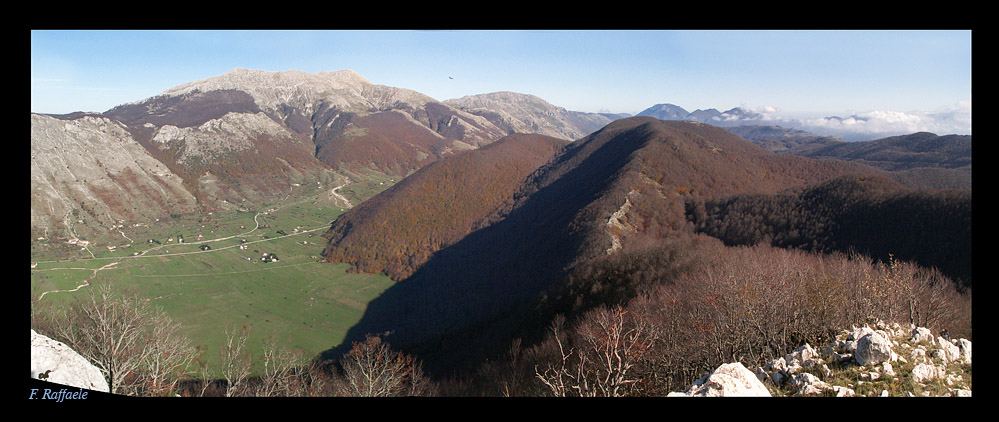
(527, 113)
(435, 206)
(625, 184)
(248, 134)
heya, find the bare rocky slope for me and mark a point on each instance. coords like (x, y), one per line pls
(245, 137)
(90, 170)
(525, 113)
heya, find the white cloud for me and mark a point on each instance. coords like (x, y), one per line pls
(768, 112)
(951, 120)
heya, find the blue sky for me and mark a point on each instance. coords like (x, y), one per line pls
(794, 73)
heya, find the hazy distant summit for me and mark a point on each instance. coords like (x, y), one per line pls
(856, 127)
(666, 112)
(737, 116)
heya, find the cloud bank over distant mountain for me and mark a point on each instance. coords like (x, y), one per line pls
(869, 125)
(955, 120)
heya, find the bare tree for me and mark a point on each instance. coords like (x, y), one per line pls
(560, 377)
(282, 374)
(111, 330)
(170, 356)
(204, 373)
(372, 369)
(611, 342)
(235, 360)
(510, 376)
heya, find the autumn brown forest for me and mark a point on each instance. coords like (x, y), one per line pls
(724, 250)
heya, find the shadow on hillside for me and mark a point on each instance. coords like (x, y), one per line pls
(471, 298)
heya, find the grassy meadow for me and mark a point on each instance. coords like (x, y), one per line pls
(297, 300)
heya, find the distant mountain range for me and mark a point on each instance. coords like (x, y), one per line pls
(248, 136)
(855, 127)
(734, 117)
(919, 159)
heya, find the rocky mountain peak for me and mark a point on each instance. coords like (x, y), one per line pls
(345, 89)
(665, 112)
(501, 97)
(348, 76)
(525, 113)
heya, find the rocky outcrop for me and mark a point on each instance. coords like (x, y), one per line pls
(56, 362)
(878, 360)
(872, 349)
(730, 379)
(875, 360)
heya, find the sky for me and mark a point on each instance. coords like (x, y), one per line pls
(908, 80)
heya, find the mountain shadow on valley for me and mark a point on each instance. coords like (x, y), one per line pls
(467, 299)
(630, 180)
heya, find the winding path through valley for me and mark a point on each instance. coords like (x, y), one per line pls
(86, 282)
(341, 197)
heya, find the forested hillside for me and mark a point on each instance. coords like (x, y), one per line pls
(875, 216)
(922, 159)
(397, 231)
(600, 206)
(898, 152)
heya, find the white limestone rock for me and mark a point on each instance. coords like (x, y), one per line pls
(809, 384)
(964, 346)
(802, 354)
(56, 362)
(921, 335)
(923, 372)
(950, 351)
(843, 391)
(730, 379)
(957, 392)
(887, 369)
(872, 348)
(857, 333)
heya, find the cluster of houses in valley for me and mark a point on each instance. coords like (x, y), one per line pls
(243, 244)
(85, 243)
(78, 242)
